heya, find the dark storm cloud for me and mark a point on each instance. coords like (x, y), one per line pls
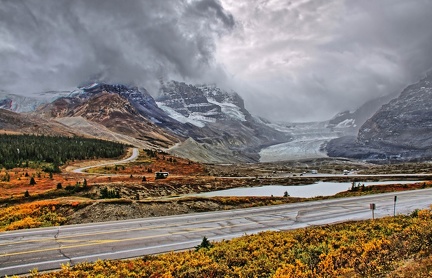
(291, 60)
(310, 59)
(57, 44)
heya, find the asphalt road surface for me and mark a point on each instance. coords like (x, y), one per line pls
(48, 248)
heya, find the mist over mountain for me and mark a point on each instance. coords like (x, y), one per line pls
(208, 124)
(55, 45)
(399, 131)
(297, 61)
(324, 67)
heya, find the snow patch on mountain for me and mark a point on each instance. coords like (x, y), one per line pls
(346, 123)
(193, 118)
(230, 102)
(229, 109)
(200, 104)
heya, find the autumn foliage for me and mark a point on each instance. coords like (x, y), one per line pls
(33, 215)
(388, 247)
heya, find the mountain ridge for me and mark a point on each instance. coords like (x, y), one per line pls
(132, 115)
(400, 130)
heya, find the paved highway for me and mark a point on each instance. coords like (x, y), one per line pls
(48, 248)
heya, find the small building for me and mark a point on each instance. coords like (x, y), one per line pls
(161, 175)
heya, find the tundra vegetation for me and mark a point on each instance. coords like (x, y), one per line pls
(389, 247)
(40, 191)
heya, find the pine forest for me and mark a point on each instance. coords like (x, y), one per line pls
(23, 150)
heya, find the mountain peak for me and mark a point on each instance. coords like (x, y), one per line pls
(200, 104)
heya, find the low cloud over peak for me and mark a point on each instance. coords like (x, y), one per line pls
(53, 45)
(316, 58)
(299, 60)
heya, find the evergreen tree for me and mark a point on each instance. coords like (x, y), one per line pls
(53, 150)
(32, 181)
(205, 243)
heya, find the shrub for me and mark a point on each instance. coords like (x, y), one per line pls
(32, 181)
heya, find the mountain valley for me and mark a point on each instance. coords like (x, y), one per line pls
(206, 124)
(206, 142)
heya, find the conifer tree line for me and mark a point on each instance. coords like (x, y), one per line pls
(18, 150)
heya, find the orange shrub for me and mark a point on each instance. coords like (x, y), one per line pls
(356, 249)
(31, 215)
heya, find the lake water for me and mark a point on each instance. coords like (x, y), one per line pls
(306, 191)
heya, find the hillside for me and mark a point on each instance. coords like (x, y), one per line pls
(11, 122)
(109, 110)
(399, 131)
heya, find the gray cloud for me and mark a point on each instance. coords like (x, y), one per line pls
(294, 60)
(54, 45)
(308, 60)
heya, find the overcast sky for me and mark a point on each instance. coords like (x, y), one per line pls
(290, 60)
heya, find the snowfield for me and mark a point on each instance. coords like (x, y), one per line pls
(307, 142)
(297, 149)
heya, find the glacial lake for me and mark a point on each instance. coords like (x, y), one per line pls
(306, 191)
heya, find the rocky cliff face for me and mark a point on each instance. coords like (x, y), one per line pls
(223, 122)
(404, 125)
(201, 104)
(399, 130)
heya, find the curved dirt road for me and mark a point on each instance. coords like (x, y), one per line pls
(135, 153)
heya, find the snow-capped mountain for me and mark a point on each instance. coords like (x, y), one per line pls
(231, 104)
(200, 104)
(205, 123)
(220, 119)
(399, 130)
(202, 122)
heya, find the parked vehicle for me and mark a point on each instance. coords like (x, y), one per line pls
(161, 175)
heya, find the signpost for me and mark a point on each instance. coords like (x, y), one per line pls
(394, 206)
(372, 207)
